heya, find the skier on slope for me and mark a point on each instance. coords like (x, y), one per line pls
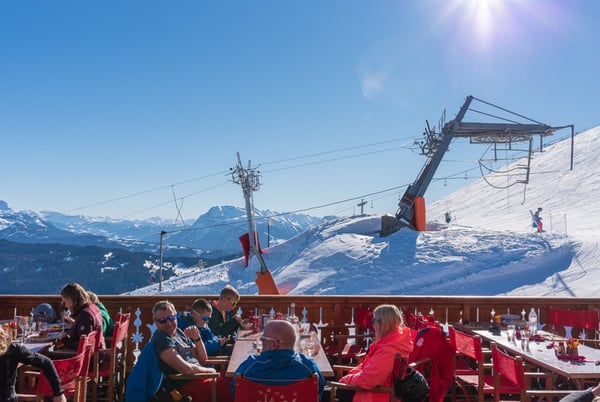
(537, 220)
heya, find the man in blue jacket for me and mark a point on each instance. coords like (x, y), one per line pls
(199, 315)
(279, 363)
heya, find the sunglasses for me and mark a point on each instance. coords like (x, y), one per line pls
(374, 320)
(165, 319)
(202, 317)
(268, 338)
(233, 303)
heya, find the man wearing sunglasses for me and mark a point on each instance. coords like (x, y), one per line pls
(180, 351)
(278, 363)
(223, 321)
(199, 315)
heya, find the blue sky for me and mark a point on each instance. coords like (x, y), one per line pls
(124, 109)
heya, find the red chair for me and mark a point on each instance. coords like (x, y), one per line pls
(510, 378)
(302, 391)
(470, 368)
(430, 343)
(109, 365)
(569, 319)
(72, 373)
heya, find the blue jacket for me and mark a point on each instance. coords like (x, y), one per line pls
(145, 379)
(211, 341)
(278, 367)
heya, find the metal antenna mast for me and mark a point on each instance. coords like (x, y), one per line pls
(249, 179)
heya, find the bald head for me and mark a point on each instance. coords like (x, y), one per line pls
(283, 331)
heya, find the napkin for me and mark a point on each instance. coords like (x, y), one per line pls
(570, 357)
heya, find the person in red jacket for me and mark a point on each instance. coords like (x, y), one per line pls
(391, 337)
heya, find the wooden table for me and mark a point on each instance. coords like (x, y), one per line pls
(245, 345)
(539, 355)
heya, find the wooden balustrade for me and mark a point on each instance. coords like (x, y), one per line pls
(336, 310)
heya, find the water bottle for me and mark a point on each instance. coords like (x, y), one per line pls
(533, 319)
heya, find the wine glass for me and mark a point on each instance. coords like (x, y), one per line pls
(23, 323)
(64, 314)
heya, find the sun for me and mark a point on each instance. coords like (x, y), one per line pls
(480, 22)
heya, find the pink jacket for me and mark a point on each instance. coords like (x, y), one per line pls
(377, 367)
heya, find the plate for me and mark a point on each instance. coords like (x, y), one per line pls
(41, 339)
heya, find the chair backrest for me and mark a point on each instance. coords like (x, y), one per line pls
(306, 390)
(431, 343)
(508, 368)
(93, 339)
(69, 370)
(466, 344)
(569, 319)
(120, 331)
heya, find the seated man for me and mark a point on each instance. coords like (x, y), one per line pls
(199, 315)
(589, 395)
(180, 351)
(279, 363)
(223, 321)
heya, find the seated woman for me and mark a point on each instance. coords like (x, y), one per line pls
(180, 352)
(391, 337)
(87, 316)
(11, 354)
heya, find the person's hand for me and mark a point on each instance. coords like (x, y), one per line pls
(223, 340)
(59, 398)
(68, 320)
(192, 332)
(238, 318)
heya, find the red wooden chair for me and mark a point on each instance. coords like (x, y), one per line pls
(302, 391)
(109, 366)
(510, 378)
(431, 343)
(72, 373)
(569, 319)
(470, 367)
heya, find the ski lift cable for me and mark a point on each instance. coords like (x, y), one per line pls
(509, 111)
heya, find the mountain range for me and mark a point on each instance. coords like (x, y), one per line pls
(112, 256)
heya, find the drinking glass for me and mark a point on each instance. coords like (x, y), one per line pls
(309, 347)
(64, 314)
(24, 325)
(510, 331)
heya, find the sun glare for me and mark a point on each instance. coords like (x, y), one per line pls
(481, 23)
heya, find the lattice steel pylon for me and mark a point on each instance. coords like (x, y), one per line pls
(435, 145)
(249, 179)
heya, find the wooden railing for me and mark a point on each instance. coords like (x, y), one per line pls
(335, 310)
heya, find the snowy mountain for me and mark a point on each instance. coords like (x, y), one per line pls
(113, 256)
(214, 234)
(220, 228)
(489, 248)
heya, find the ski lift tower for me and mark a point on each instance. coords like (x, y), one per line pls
(249, 179)
(411, 208)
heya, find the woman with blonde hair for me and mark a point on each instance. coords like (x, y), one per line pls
(11, 355)
(391, 337)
